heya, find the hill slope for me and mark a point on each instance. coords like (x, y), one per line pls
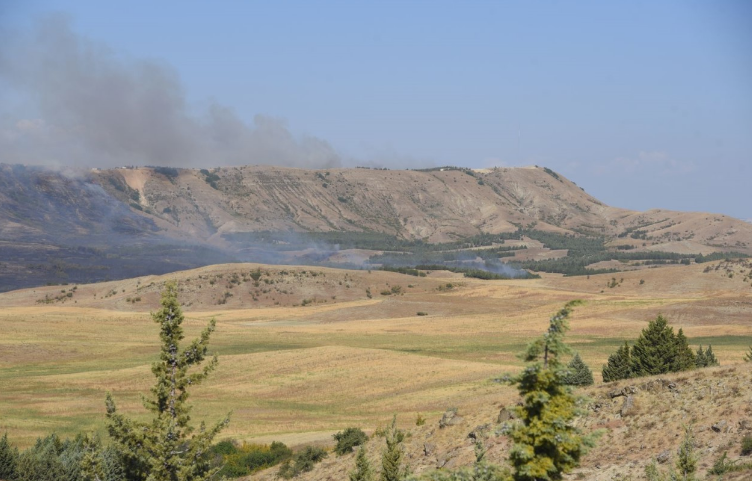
(715, 402)
(118, 223)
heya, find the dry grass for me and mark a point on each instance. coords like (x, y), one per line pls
(300, 373)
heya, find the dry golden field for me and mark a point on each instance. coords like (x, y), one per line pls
(314, 353)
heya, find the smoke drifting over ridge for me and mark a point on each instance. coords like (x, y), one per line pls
(77, 103)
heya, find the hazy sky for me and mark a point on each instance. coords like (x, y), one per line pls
(644, 104)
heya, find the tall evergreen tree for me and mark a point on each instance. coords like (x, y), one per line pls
(579, 374)
(391, 459)
(748, 355)
(546, 444)
(363, 470)
(8, 459)
(655, 351)
(685, 358)
(167, 448)
(619, 365)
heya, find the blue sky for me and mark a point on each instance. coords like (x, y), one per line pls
(644, 104)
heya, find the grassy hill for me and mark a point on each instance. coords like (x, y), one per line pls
(298, 371)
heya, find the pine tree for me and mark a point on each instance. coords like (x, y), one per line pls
(579, 374)
(748, 355)
(711, 360)
(706, 358)
(42, 462)
(8, 459)
(686, 461)
(655, 351)
(100, 463)
(619, 365)
(363, 470)
(167, 449)
(546, 444)
(700, 359)
(685, 358)
(391, 459)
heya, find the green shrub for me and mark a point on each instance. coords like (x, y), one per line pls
(302, 462)
(721, 465)
(249, 458)
(746, 445)
(348, 439)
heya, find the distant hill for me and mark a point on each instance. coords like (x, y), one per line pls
(117, 223)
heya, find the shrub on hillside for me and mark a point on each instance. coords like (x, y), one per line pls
(302, 462)
(348, 439)
(746, 445)
(248, 458)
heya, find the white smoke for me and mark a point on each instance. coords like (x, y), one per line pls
(75, 102)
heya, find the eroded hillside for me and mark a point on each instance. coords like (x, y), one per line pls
(113, 224)
(436, 205)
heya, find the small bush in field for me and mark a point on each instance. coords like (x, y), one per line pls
(746, 445)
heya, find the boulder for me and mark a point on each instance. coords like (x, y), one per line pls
(719, 426)
(479, 432)
(505, 415)
(627, 407)
(429, 449)
(625, 391)
(663, 457)
(450, 418)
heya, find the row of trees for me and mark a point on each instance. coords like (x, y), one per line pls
(658, 350)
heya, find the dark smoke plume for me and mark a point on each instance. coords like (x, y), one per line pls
(73, 102)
